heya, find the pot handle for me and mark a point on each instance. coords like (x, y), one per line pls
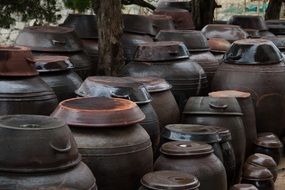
(61, 150)
(220, 107)
(58, 43)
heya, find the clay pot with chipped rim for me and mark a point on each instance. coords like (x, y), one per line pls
(170, 4)
(223, 112)
(247, 66)
(22, 91)
(55, 40)
(197, 45)
(162, 99)
(41, 153)
(258, 176)
(169, 180)
(162, 22)
(194, 158)
(243, 186)
(246, 104)
(218, 47)
(118, 87)
(269, 144)
(56, 72)
(169, 60)
(109, 138)
(182, 18)
(265, 161)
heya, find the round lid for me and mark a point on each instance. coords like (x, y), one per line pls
(243, 186)
(194, 40)
(229, 93)
(161, 51)
(268, 140)
(212, 106)
(186, 148)
(49, 39)
(169, 180)
(262, 160)
(98, 112)
(191, 132)
(47, 63)
(16, 61)
(152, 84)
(140, 24)
(248, 21)
(279, 41)
(253, 172)
(253, 51)
(116, 87)
(224, 31)
(219, 45)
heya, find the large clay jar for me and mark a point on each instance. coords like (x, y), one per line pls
(22, 91)
(247, 66)
(56, 72)
(194, 158)
(169, 60)
(223, 112)
(197, 45)
(112, 143)
(118, 87)
(169, 180)
(55, 40)
(42, 155)
(245, 101)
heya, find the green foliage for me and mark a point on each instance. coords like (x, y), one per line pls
(78, 5)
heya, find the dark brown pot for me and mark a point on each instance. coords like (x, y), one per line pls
(169, 60)
(277, 27)
(162, 22)
(247, 66)
(139, 24)
(219, 47)
(112, 144)
(169, 180)
(279, 41)
(247, 108)
(194, 158)
(170, 4)
(248, 21)
(223, 112)
(243, 186)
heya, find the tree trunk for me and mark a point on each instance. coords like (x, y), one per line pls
(110, 29)
(273, 9)
(203, 12)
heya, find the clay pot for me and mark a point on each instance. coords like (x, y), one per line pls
(139, 24)
(219, 47)
(162, 22)
(277, 27)
(243, 186)
(223, 112)
(194, 158)
(170, 4)
(248, 21)
(247, 108)
(279, 41)
(252, 33)
(56, 72)
(169, 180)
(109, 138)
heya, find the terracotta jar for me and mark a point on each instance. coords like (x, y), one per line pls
(56, 72)
(194, 158)
(55, 40)
(223, 112)
(245, 101)
(219, 47)
(22, 91)
(258, 176)
(169, 180)
(247, 66)
(169, 60)
(243, 186)
(42, 154)
(118, 87)
(109, 138)
(197, 45)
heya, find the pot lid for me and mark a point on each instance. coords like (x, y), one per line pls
(49, 39)
(139, 24)
(191, 132)
(224, 31)
(169, 4)
(98, 112)
(161, 51)
(243, 186)
(268, 140)
(186, 148)
(279, 41)
(261, 160)
(84, 25)
(258, 173)
(219, 45)
(169, 180)
(253, 51)
(130, 39)
(230, 93)
(212, 106)
(277, 29)
(152, 84)
(248, 21)
(47, 63)
(194, 40)
(116, 87)
(16, 61)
